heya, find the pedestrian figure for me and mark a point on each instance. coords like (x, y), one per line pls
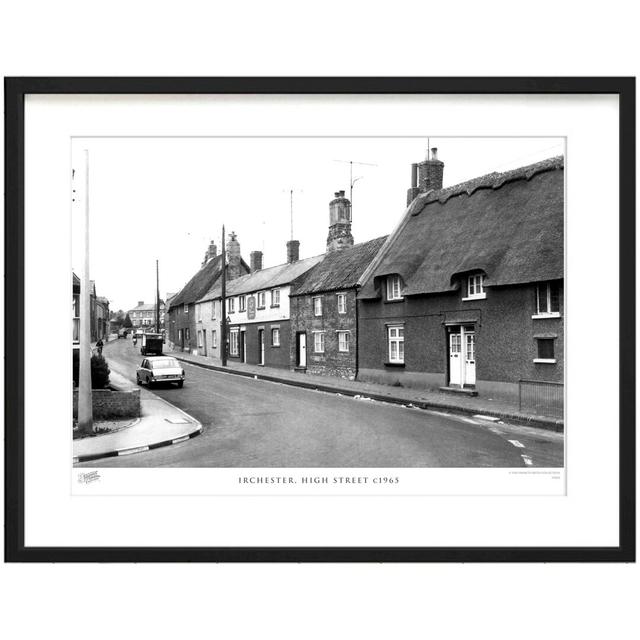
(99, 346)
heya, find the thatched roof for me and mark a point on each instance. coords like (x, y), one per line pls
(339, 269)
(509, 225)
(262, 279)
(199, 284)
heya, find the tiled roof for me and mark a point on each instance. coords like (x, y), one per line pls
(509, 225)
(340, 269)
(199, 284)
(146, 307)
(263, 279)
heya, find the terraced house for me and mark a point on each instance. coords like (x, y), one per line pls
(181, 317)
(257, 306)
(466, 295)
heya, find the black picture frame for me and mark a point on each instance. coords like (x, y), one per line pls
(15, 91)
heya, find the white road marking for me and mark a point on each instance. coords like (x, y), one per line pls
(527, 460)
(469, 420)
(517, 443)
(494, 430)
(489, 418)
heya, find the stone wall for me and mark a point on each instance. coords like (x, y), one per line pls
(111, 404)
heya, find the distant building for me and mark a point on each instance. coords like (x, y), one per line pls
(144, 315)
(98, 313)
(466, 294)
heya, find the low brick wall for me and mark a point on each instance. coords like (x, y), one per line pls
(112, 404)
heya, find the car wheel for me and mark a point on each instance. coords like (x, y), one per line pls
(180, 384)
(138, 380)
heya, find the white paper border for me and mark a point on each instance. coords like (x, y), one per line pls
(587, 516)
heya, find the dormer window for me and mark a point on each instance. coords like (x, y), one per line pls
(475, 287)
(394, 286)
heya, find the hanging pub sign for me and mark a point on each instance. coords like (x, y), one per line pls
(251, 307)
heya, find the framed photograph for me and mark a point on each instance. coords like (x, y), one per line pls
(320, 319)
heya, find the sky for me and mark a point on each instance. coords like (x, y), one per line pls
(165, 199)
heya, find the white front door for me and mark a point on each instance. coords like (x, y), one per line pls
(244, 346)
(462, 356)
(470, 358)
(455, 358)
(302, 349)
(261, 339)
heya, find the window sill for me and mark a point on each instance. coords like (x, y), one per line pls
(479, 296)
(393, 300)
(394, 364)
(275, 346)
(259, 308)
(274, 306)
(544, 316)
(544, 360)
(318, 353)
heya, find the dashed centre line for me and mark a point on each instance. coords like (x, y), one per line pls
(517, 443)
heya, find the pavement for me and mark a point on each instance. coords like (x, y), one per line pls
(160, 424)
(416, 398)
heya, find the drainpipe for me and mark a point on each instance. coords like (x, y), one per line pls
(357, 340)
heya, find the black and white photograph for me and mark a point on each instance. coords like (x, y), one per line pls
(318, 302)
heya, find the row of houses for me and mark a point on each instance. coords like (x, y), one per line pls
(143, 315)
(98, 312)
(465, 294)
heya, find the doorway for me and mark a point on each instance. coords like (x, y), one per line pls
(301, 349)
(462, 356)
(261, 345)
(243, 345)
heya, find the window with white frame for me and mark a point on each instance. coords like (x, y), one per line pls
(185, 307)
(275, 337)
(394, 286)
(547, 300)
(342, 303)
(261, 299)
(214, 338)
(199, 312)
(344, 338)
(395, 338)
(213, 309)
(546, 351)
(187, 335)
(318, 341)
(475, 287)
(242, 303)
(232, 305)
(317, 306)
(275, 298)
(233, 342)
(199, 339)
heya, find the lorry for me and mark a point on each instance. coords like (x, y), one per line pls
(151, 344)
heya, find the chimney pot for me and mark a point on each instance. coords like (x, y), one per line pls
(140, 303)
(434, 153)
(337, 194)
(341, 193)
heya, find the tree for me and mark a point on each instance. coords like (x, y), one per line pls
(127, 322)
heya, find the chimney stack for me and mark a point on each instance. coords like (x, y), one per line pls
(293, 251)
(210, 253)
(426, 175)
(255, 260)
(339, 223)
(234, 258)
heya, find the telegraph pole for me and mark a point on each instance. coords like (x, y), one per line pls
(85, 406)
(223, 308)
(157, 298)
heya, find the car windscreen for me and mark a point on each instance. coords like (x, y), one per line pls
(165, 363)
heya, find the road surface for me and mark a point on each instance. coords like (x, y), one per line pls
(255, 423)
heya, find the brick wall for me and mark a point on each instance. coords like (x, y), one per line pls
(504, 328)
(332, 362)
(111, 404)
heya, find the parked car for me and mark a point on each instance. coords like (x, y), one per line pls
(151, 344)
(160, 369)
